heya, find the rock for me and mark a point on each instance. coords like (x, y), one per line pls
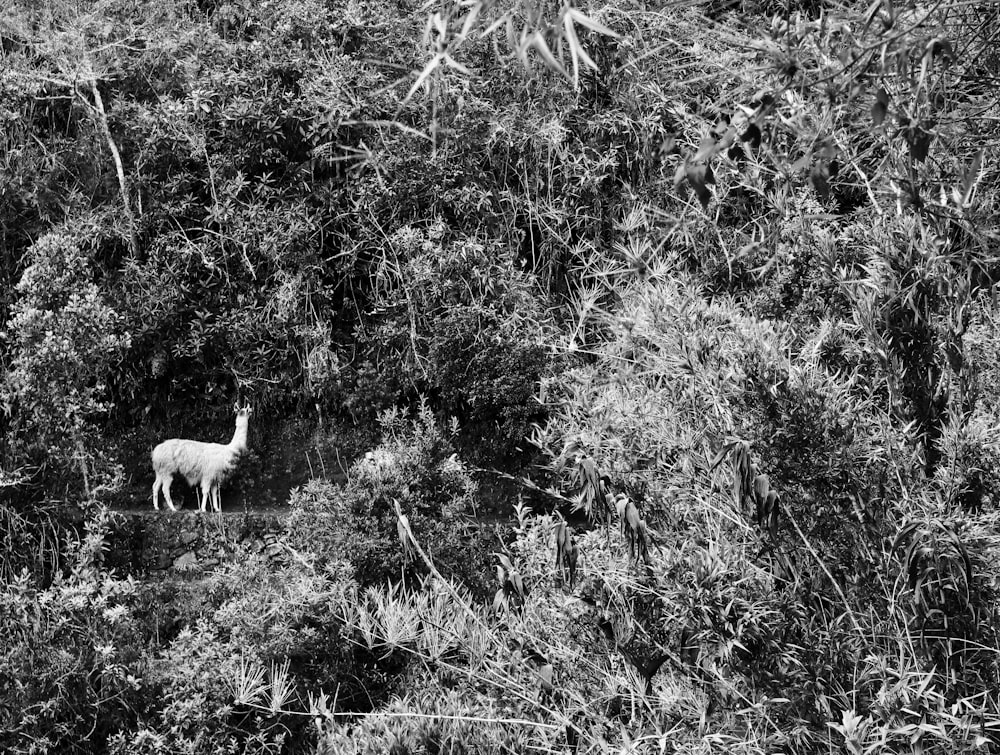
(187, 561)
(273, 550)
(257, 545)
(188, 537)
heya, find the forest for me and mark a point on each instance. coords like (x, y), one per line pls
(624, 377)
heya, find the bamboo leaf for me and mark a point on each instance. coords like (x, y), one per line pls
(590, 23)
(880, 106)
(903, 535)
(761, 487)
(717, 459)
(539, 43)
(454, 64)
(705, 150)
(431, 66)
(574, 46)
(511, 39)
(470, 20)
(577, 52)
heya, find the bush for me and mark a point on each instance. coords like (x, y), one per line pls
(72, 658)
(459, 322)
(257, 645)
(417, 467)
(66, 341)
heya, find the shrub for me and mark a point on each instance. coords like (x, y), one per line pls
(417, 467)
(72, 658)
(258, 643)
(66, 340)
(458, 321)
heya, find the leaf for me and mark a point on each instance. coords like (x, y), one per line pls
(537, 41)
(504, 561)
(920, 143)
(727, 139)
(771, 508)
(761, 487)
(440, 25)
(576, 50)
(705, 150)
(452, 63)
(698, 176)
(545, 674)
(502, 21)
(964, 554)
(517, 582)
(679, 175)
(903, 535)
(912, 569)
(819, 176)
(717, 459)
(969, 177)
(880, 106)
(590, 23)
(511, 38)
(721, 126)
(521, 47)
(431, 66)
(752, 135)
(762, 100)
(871, 12)
(801, 164)
(470, 20)
(741, 471)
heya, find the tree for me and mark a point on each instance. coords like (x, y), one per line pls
(65, 341)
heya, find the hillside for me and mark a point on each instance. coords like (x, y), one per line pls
(607, 378)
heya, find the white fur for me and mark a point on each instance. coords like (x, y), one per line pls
(204, 464)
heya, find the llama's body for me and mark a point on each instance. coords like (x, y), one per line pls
(204, 465)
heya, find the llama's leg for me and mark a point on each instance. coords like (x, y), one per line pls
(166, 492)
(156, 493)
(206, 494)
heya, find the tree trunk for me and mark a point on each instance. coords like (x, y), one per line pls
(97, 106)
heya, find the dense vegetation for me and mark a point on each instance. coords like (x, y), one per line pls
(739, 257)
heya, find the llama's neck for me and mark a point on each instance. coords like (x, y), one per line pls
(239, 441)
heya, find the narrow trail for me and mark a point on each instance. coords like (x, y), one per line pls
(230, 511)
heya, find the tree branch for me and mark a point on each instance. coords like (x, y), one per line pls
(97, 107)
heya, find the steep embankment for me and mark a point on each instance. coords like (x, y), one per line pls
(152, 543)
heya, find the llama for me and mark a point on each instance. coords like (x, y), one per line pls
(204, 464)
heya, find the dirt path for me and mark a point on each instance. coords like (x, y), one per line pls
(279, 511)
